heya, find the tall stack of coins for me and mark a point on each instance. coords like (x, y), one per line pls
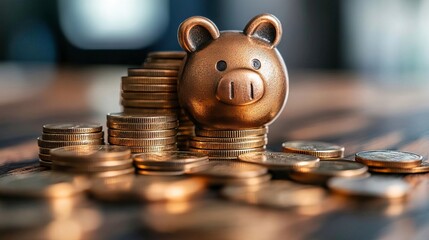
(228, 144)
(143, 132)
(153, 89)
(67, 134)
(94, 161)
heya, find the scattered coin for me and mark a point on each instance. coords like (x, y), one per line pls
(423, 168)
(232, 169)
(374, 186)
(389, 159)
(318, 149)
(279, 160)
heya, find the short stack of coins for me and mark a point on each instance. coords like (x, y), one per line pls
(153, 89)
(228, 144)
(93, 161)
(143, 132)
(67, 134)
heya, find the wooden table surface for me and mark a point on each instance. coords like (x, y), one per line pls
(360, 113)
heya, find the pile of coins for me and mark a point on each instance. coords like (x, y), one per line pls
(67, 134)
(228, 144)
(169, 163)
(153, 89)
(143, 132)
(93, 161)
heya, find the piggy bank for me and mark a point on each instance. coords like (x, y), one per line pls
(232, 80)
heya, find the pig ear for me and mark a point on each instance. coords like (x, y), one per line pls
(196, 32)
(265, 27)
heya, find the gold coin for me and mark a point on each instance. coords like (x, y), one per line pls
(423, 168)
(162, 65)
(45, 163)
(152, 72)
(142, 134)
(374, 186)
(72, 137)
(227, 146)
(228, 139)
(42, 185)
(231, 133)
(74, 128)
(317, 149)
(150, 88)
(389, 158)
(160, 173)
(143, 126)
(65, 167)
(149, 96)
(56, 144)
(149, 80)
(90, 153)
(328, 169)
(140, 118)
(147, 188)
(167, 54)
(226, 153)
(186, 167)
(94, 164)
(277, 193)
(141, 141)
(169, 158)
(146, 149)
(150, 103)
(232, 169)
(45, 157)
(162, 111)
(278, 160)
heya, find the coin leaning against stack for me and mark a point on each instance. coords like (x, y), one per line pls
(94, 161)
(67, 134)
(228, 144)
(143, 132)
(153, 89)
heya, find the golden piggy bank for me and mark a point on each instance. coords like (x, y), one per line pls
(232, 79)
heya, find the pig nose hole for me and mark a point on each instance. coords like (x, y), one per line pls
(251, 91)
(231, 90)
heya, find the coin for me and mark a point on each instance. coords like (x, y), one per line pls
(389, 158)
(72, 128)
(317, 149)
(142, 134)
(150, 103)
(162, 65)
(146, 188)
(231, 133)
(231, 169)
(152, 72)
(226, 153)
(136, 142)
(160, 173)
(91, 153)
(423, 168)
(41, 185)
(46, 151)
(328, 169)
(374, 186)
(149, 80)
(277, 193)
(167, 54)
(140, 118)
(143, 126)
(243, 181)
(162, 111)
(107, 174)
(45, 163)
(72, 137)
(149, 96)
(184, 167)
(91, 168)
(150, 88)
(227, 146)
(228, 139)
(171, 157)
(278, 160)
(56, 144)
(169, 147)
(45, 157)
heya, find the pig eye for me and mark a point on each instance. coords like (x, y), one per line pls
(256, 64)
(221, 65)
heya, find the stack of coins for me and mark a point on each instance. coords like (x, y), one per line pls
(94, 161)
(322, 150)
(143, 132)
(228, 144)
(169, 163)
(389, 161)
(67, 134)
(153, 89)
